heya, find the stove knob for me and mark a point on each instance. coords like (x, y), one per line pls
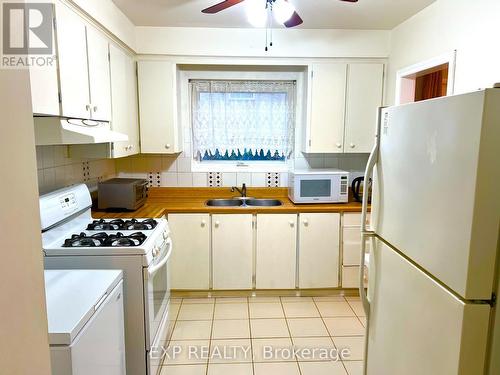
(165, 235)
(155, 251)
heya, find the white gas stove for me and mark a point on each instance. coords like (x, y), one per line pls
(72, 239)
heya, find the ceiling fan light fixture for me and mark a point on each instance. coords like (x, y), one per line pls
(256, 12)
(282, 10)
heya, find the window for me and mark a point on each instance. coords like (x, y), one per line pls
(242, 120)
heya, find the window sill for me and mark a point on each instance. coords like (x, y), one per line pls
(249, 167)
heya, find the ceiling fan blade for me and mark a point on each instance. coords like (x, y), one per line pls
(221, 6)
(294, 20)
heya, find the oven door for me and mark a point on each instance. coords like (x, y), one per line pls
(157, 292)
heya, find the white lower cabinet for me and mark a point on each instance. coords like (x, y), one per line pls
(232, 251)
(319, 250)
(190, 262)
(276, 251)
(351, 250)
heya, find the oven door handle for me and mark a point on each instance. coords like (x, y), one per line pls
(155, 268)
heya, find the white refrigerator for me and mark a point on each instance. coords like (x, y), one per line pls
(434, 262)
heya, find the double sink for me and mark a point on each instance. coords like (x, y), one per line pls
(244, 202)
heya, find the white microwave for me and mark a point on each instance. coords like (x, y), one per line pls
(318, 186)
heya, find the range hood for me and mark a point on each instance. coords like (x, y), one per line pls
(68, 131)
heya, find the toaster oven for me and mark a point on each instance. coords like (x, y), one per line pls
(125, 193)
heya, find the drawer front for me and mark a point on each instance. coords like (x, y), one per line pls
(350, 277)
(353, 219)
(351, 246)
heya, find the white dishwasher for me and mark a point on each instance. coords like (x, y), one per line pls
(86, 323)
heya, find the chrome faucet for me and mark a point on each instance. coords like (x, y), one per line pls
(242, 191)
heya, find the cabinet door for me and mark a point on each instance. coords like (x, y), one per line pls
(98, 60)
(364, 96)
(190, 261)
(276, 251)
(319, 250)
(124, 101)
(158, 108)
(327, 108)
(72, 58)
(232, 239)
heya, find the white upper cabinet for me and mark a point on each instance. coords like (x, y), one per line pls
(364, 96)
(158, 107)
(73, 68)
(342, 104)
(124, 101)
(327, 107)
(98, 61)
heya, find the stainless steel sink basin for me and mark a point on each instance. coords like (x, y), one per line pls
(263, 202)
(225, 202)
(244, 202)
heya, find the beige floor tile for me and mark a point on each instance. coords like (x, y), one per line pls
(354, 367)
(264, 299)
(357, 306)
(173, 310)
(192, 330)
(362, 320)
(300, 310)
(355, 345)
(231, 351)
(273, 350)
(187, 352)
(307, 327)
(296, 299)
(334, 309)
(198, 300)
(353, 298)
(196, 312)
(231, 329)
(266, 310)
(231, 311)
(322, 368)
(184, 370)
(277, 368)
(329, 299)
(344, 326)
(267, 328)
(232, 300)
(230, 369)
(315, 349)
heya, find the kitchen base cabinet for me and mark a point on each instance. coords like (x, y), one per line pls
(232, 251)
(190, 261)
(351, 249)
(350, 277)
(319, 250)
(276, 249)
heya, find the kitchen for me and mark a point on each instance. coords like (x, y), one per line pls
(246, 251)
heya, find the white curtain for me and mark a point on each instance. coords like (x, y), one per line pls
(238, 116)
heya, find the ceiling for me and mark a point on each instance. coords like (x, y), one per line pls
(317, 14)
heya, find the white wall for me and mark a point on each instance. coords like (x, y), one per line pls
(470, 27)
(23, 319)
(251, 42)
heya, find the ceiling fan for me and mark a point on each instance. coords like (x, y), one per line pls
(257, 10)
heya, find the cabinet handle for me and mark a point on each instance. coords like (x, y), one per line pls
(352, 145)
(217, 224)
(292, 223)
(339, 145)
(203, 223)
(306, 222)
(167, 146)
(87, 107)
(95, 108)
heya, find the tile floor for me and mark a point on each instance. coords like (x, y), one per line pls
(235, 336)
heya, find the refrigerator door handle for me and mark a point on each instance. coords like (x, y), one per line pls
(372, 160)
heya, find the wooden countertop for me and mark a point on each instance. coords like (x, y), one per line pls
(162, 201)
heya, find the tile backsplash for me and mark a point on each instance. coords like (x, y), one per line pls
(175, 171)
(56, 169)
